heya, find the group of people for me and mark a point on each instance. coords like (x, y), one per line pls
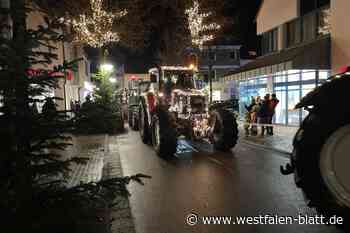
(260, 111)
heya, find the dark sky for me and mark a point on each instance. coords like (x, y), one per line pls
(242, 31)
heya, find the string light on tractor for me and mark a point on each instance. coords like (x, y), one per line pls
(200, 31)
(95, 28)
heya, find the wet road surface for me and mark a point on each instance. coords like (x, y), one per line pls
(246, 182)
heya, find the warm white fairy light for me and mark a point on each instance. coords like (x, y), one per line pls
(95, 29)
(199, 30)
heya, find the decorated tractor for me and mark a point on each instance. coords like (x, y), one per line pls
(173, 106)
(321, 157)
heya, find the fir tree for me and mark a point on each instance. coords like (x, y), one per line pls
(102, 114)
(32, 191)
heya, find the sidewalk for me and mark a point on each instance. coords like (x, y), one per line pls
(281, 140)
(103, 163)
(93, 148)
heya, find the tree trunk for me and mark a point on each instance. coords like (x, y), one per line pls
(20, 117)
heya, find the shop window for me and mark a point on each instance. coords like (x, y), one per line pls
(293, 99)
(293, 77)
(305, 90)
(308, 75)
(323, 75)
(280, 88)
(280, 79)
(281, 111)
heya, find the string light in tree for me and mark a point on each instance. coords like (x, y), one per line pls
(95, 28)
(200, 31)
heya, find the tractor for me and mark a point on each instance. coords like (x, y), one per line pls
(174, 106)
(321, 156)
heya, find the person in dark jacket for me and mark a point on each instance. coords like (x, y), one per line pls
(263, 114)
(272, 106)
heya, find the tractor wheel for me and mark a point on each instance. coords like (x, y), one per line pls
(321, 161)
(164, 137)
(143, 125)
(225, 130)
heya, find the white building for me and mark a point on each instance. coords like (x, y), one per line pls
(77, 83)
(296, 54)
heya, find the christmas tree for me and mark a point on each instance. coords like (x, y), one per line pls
(32, 190)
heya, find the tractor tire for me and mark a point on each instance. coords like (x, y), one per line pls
(164, 137)
(144, 128)
(225, 130)
(310, 146)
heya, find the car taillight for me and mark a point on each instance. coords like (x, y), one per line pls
(151, 102)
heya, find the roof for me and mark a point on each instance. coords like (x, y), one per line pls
(312, 55)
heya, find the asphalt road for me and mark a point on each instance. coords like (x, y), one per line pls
(245, 182)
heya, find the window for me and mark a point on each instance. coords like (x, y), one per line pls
(305, 90)
(293, 77)
(281, 111)
(293, 99)
(293, 32)
(309, 26)
(280, 78)
(308, 75)
(307, 6)
(324, 25)
(269, 41)
(234, 55)
(323, 75)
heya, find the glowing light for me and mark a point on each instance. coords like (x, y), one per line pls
(199, 30)
(113, 80)
(107, 67)
(95, 28)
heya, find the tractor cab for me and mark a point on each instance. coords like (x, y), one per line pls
(168, 78)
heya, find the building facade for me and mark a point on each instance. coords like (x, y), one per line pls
(216, 61)
(77, 83)
(340, 35)
(296, 56)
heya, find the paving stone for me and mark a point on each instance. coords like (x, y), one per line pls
(281, 140)
(123, 222)
(92, 148)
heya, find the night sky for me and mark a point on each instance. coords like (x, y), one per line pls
(239, 29)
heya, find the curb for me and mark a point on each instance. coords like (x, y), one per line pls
(122, 213)
(283, 153)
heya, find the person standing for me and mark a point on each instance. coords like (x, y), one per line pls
(248, 119)
(254, 116)
(272, 106)
(263, 114)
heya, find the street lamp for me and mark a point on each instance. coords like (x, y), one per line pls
(113, 80)
(191, 67)
(107, 68)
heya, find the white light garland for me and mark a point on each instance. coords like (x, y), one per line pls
(197, 27)
(95, 29)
